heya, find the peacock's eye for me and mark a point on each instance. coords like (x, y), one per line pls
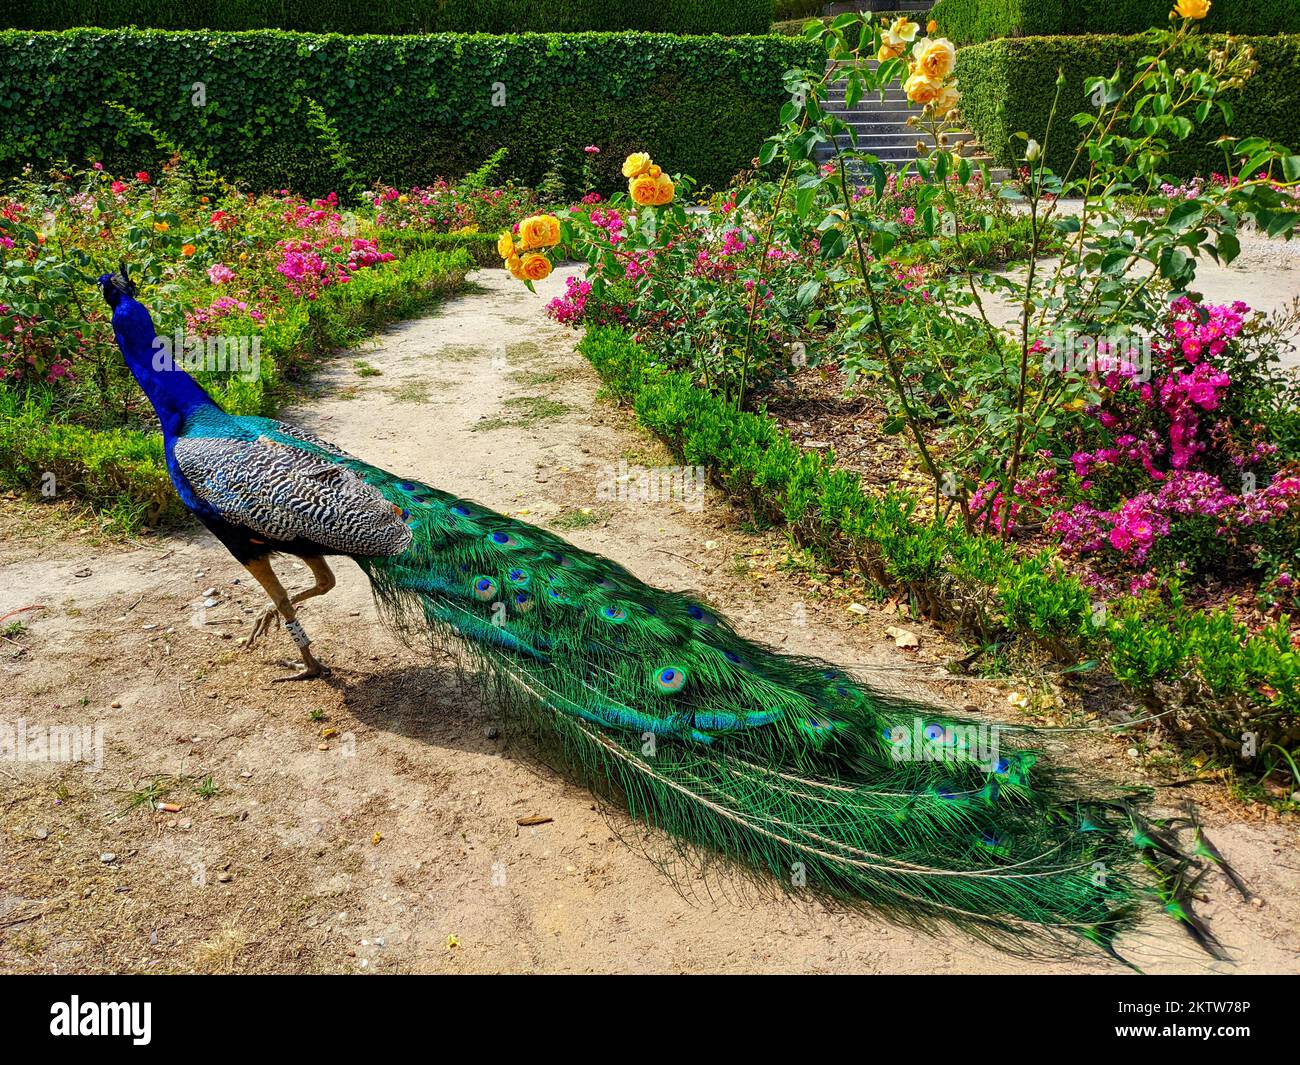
(485, 588)
(672, 679)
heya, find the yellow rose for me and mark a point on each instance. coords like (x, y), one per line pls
(946, 100)
(664, 190)
(636, 164)
(888, 51)
(403, 198)
(505, 245)
(1197, 9)
(931, 26)
(922, 90)
(535, 266)
(934, 58)
(643, 190)
(902, 31)
(161, 227)
(539, 231)
(515, 264)
(655, 170)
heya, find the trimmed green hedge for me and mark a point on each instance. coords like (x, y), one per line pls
(1007, 87)
(1218, 676)
(397, 16)
(967, 21)
(409, 109)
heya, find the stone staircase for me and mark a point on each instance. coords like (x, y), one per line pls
(881, 125)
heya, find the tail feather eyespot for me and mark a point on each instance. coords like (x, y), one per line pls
(670, 679)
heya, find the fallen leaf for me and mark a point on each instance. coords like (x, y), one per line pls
(903, 637)
(536, 819)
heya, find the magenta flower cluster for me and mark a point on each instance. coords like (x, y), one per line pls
(574, 307)
(310, 266)
(1171, 432)
(204, 320)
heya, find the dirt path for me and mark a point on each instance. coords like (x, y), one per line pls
(392, 843)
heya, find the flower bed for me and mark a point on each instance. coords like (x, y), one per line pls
(245, 291)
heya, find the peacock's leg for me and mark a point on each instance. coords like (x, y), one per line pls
(265, 575)
(324, 582)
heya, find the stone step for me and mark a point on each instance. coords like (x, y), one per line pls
(869, 141)
(867, 127)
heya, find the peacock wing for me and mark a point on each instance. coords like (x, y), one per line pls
(282, 492)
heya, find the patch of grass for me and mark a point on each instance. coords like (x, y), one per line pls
(206, 788)
(577, 519)
(523, 351)
(535, 377)
(535, 408)
(525, 410)
(364, 369)
(13, 629)
(218, 953)
(487, 425)
(147, 795)
(410, 392)
(459, 352)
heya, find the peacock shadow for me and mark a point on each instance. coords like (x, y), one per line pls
(449, 705)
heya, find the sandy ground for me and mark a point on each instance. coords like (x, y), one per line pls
(369, 823)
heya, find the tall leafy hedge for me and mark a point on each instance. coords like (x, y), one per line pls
(967, 21)
(408, 109)
(1008, 86)
(396, 16)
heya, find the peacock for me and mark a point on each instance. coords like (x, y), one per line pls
(787, 766)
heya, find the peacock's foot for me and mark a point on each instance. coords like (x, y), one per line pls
(306, 674)
(261, 627)
(311, 669)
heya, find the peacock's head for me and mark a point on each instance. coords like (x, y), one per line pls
(116, 286)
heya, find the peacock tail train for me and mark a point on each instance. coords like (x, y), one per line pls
(785, 765)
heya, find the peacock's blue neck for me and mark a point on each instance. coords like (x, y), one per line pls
(175, 395)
